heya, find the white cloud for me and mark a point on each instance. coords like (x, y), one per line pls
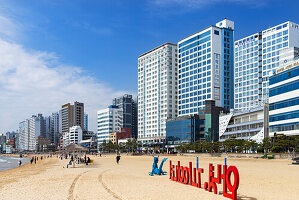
(8, 28)
(34, 82)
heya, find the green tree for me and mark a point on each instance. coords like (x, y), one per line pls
(266, 144)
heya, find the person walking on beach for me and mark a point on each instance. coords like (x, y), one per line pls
(35, 160)
(20, 163)
(117, 158)
(31, 161)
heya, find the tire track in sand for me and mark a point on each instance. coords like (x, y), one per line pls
(71, 190)
(106, 187)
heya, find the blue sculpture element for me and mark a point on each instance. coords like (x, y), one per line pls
(157, 170)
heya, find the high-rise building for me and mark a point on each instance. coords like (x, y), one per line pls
(157, 92)
(72, 115)
(109, 121)
(128, 109)
(255, 58)
(55, 132)
(47, 127)
(78, 116)
(36, 129)
(206, 68)
(24, 135)
(86, 122)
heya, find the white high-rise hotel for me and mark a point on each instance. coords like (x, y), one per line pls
(157, 92)
(256, 56)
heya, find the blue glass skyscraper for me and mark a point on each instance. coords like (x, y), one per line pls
(206, 68)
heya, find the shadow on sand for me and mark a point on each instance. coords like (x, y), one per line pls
(243, 197)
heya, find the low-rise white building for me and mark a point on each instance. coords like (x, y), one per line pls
(73, 136)
(248, 125)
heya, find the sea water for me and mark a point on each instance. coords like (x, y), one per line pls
(11, 162)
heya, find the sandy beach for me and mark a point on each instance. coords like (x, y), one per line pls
(50, 179)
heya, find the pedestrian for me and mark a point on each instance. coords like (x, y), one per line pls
(117, 158)
(35, 160)
(31, 160)
(20, 163)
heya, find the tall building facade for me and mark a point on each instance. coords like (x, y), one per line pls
(24, 135)
(30, 130)
(109, 121)
(284, 100)
(78, 116)
(36, 129)
(206, 68)
(72, 115)
(128, 109)
(256, 56)
(55, 131)
(47, 126)
(157, 92)
(86, 122)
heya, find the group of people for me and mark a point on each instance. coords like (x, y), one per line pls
(35, 158)
(77, 159)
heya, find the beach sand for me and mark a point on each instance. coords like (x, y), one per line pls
(259, 179)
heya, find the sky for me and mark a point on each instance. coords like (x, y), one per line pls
(57, 51)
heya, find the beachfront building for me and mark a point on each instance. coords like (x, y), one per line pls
(183, 130)
(54, 128)
(73, 136)
(72, 115)
(247, 125)
(24, 135)
(284, 100)
(128, 109)
(157, 92)
(36, 129)
(112, 138)
(85, 122)
(109, 121)
(206, 68)
(255, 58)
(47, 125)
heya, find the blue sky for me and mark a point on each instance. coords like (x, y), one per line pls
(101, 40)
(105, 37)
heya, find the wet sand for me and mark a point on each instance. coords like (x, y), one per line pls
(50, 179)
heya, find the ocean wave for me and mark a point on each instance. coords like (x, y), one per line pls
(2, 160)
